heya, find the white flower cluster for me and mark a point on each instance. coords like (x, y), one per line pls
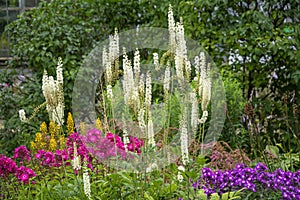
(76, 160)
(138, 94)
(113, 47)
(178, 47)
(150, 133)
(195, 111)
(148, 95)
(142, 85)
(171, 27)
(53, 93)
(110, 60)
(136, 66)
(156, 61)
(179, 175)
(167, 80)
(86, 182)
(22, 115)
(125, 134)
(204, 90)
(184, 141)
(109, 90)
(107, 66)
(141, 120)
(130, 88)
(151, 167)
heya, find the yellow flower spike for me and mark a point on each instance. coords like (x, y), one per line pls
(52, 144)
(62, 142)
(38, 140)
(38, 137)
(82, 127)
(52, 128)
(43, 128)
(99, 124)
(57, 131)
(70, 123)
(33, 146)
(42, 145)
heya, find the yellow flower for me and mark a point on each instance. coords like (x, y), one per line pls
(53, 129)
(62, 142)
(99, 124)
(70, 124)
(33, 145)
(38, 137)
(43, 128)
(52, 144)
(82, 127)
(37, 143)
(42, 145)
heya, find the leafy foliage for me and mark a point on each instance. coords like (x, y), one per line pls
(68, 29)
(17, 94)
(256, 44)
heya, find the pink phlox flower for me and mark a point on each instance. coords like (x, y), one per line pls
(74, 137)
(7, 166)
(23, 174)
(49, 159)
(22, 152)
(40, 154)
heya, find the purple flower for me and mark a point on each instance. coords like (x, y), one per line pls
(23, 174)
(40, 154)
(22, 153)
(49, 159)
(287, 183)
(7, 166)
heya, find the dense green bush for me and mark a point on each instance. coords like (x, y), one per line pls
(17, 92)
(68, 29)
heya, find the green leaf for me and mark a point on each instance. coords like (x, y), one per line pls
(215, 196)
(273, 150)
(201, 195)
(147, 196)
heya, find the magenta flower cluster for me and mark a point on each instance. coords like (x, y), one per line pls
(91, 144)
(111, 145)
(50, 159)
(135, 144)
(64, 156)
(22, 153)
(23, 174)
(9, 167)
(252, 179)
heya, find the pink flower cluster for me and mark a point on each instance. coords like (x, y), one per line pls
(9, 167)
(103, 147)
(111, 145)
(22, 153)
(64, 156)
(91, 144)
(23, 174)
(134, 144)
(55, 159)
